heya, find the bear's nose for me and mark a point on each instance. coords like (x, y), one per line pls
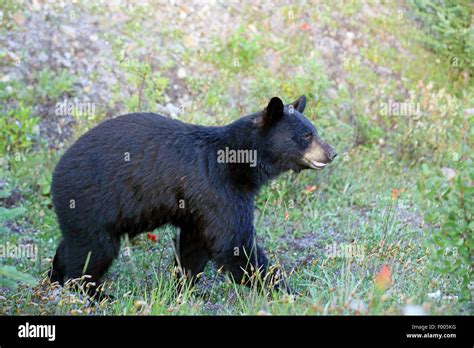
(332, 155)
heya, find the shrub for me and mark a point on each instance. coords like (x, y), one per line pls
(238, 53)
(449, 206)
(451, 33)
(432, 134)
(9, 9)
(148, 85)
(51, 85)
(10, 276)
(17, 130)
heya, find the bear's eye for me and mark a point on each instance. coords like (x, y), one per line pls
(307, 136)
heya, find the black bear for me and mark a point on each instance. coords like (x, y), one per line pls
(136, 172)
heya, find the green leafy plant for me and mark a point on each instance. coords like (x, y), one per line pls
(9, 9)
(148, 85)
(432, 134)
(449, 210)
(51, 85)
(10, 277)
(17, 129)
(9, 214)
(451, 33)
(238, 53)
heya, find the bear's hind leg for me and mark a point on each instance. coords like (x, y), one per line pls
(91, 257)
(192, 255)
(58, 268)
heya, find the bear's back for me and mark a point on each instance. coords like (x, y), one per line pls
(115, 167)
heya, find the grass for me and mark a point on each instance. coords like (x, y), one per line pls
(367, 199)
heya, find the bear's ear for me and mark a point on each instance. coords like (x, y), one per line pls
(300, 103)
(273, 112)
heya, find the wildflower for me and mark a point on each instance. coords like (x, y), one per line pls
(383, 279)
(151, 237)
(304, 26)
(394, 193)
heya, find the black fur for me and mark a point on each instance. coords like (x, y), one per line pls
(172, 177)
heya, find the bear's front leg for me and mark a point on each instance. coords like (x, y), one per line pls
(233, 247)
(249, 266)
(247, 263)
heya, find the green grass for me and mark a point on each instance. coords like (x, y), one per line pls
(368, 198)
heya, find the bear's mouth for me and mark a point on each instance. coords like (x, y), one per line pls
(314, 164)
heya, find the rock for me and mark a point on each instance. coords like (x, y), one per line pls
(434, 295)
(190, 41)
(173, 110)
(469, 112)
(413, 310)
(13, 198)
(181, 73)
(328, 47)
(262, 312)
(19, 19)
(368, 11)
(54, 295)
(140, 304)
(381, 70)
(43, 57)
(448, 173)
(332, 93)
(358, 306)
(350, 35)
(68, 31)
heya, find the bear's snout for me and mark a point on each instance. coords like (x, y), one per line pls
(331, 154)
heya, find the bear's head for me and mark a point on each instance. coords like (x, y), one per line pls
(291, 140)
